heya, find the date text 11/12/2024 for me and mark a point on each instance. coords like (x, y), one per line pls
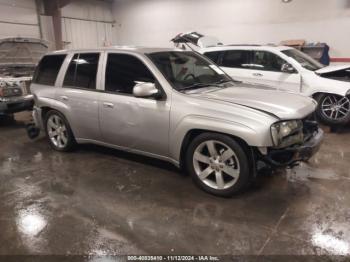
(173, 258)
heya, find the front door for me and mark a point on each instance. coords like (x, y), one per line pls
(266, 70)
(127, 121)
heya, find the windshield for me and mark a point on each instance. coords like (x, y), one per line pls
(303, 59)
(188, 70)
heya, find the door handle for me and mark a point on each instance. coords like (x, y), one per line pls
(108, 105)
(64, 98)
(258, 74)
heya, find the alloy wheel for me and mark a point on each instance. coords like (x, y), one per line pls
(57, 131)
(335, 107)
(216, 164)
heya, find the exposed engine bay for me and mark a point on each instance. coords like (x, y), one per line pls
(341, 75)
(18, 59)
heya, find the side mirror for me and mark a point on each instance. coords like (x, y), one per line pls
(145, 90)
(287, 68)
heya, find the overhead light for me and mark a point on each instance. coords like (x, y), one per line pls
(286, 1)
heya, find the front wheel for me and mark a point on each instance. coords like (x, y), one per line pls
(218, 164)
(333, 110)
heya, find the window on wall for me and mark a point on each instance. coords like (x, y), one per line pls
(236, 59)
(48, 69)
(267, 61)
(82, 71)
(124, 71)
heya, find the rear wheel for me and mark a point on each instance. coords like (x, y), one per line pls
(218, 164)
(58, 131)
(333, 109)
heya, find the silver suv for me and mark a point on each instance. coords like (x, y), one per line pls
(173, 105)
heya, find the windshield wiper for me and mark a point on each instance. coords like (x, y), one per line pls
(223, 81)
(199, 85)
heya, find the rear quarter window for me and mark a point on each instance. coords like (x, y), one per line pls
(48, 69)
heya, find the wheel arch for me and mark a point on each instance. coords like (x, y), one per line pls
(193, 133)
(249, 132)
(321, 116)
(47, 108)
(317, 94)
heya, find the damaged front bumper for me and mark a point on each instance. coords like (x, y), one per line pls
(291, 155)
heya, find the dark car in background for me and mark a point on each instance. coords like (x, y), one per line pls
(18, 59)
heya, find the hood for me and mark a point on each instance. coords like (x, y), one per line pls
(331, 69)
(21, 52)
(279, 104)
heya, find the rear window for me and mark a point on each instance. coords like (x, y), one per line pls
(47, 70)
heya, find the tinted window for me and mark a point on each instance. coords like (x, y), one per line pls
(213, 56)
(82, 71)
(236, 59)
(48, 68)
(267, 61)
(124, 71)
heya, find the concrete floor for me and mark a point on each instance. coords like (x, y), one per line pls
(99, 201)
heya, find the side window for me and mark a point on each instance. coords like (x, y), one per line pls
(267, 61)
(236, 59)
(47, 70)
(213, 56)
(82, 71)
(124, 71)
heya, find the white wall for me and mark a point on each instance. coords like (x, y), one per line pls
(18, 18)
(88, 24)
(85, 23)
(155, 22)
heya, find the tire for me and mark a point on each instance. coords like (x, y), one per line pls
(333, 110)
(58, 132)
(214, 165)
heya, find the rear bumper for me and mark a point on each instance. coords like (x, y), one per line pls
(14, 105)
(37, 118)
(34, 128)
(289, 156)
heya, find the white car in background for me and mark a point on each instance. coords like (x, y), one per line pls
(285, 69)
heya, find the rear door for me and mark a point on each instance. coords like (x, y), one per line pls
(236, 63)
(79, 93)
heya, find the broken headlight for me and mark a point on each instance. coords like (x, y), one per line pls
(286, 133)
